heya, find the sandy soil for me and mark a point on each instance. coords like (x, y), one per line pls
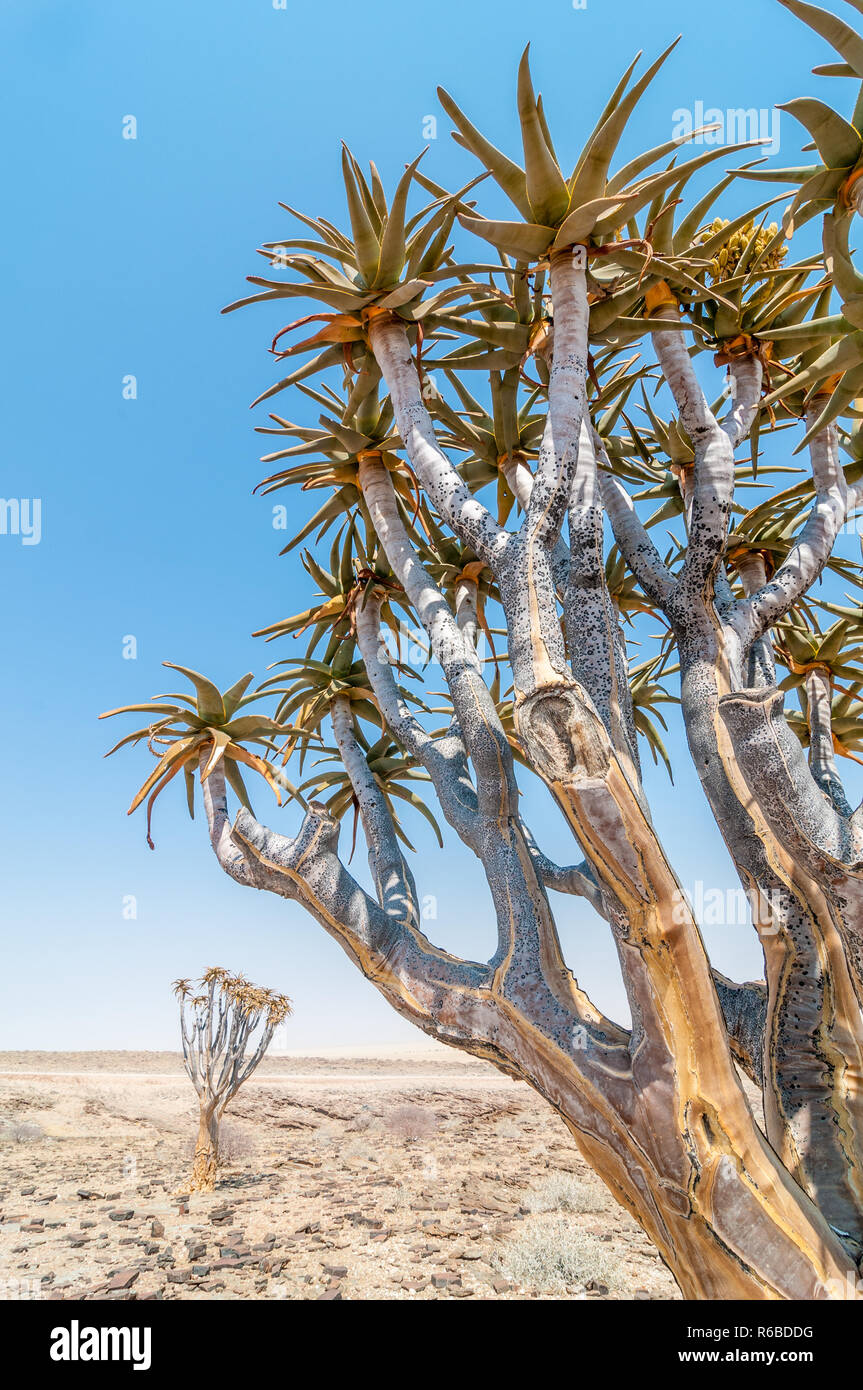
(407, 1174)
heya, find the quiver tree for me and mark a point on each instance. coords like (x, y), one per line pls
(576, 407)
(227, 1025)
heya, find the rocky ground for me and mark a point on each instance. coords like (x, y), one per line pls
(413, 1177)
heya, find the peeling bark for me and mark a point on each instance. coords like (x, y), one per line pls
(813, 1100)
(205, 1164)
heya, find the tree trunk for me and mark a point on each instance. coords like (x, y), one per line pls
(699, 1175)
(206, 1160)
(724, 1230)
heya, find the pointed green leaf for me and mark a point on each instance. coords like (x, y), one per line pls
(590, 181)
(504, 172)
(392, 252)
(525, 240)
(234, 694)
(846, 42)
(210, 704)
(547, 191)
(838, 142)
(366, 243)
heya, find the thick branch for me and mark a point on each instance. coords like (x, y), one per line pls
(478, 719)
(709, 493)
(822, 764)
(774, 765)
(566, 399)
(744, 1008)
(677, 368)
(443, 757)
(447, 997)
(810, 1091)
(597, 652)
(761, 665)
(745, 375)
(633, 540)
(757, 612)
(577, 879)
(215, 802)
(466, 515)
(393, 879)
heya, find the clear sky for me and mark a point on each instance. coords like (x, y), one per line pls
(118, 255)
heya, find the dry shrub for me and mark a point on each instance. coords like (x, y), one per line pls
(551, 1254)
(563, 1192)
(20, 1132)
(402, 1198)
(509, 1129)
(411, 1122)
(236, 1144)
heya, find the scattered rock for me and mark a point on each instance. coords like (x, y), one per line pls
(323, 1202)
(222, 1216)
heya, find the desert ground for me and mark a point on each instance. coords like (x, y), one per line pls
(387, 1173)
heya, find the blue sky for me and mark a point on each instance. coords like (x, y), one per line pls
(118, 256)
